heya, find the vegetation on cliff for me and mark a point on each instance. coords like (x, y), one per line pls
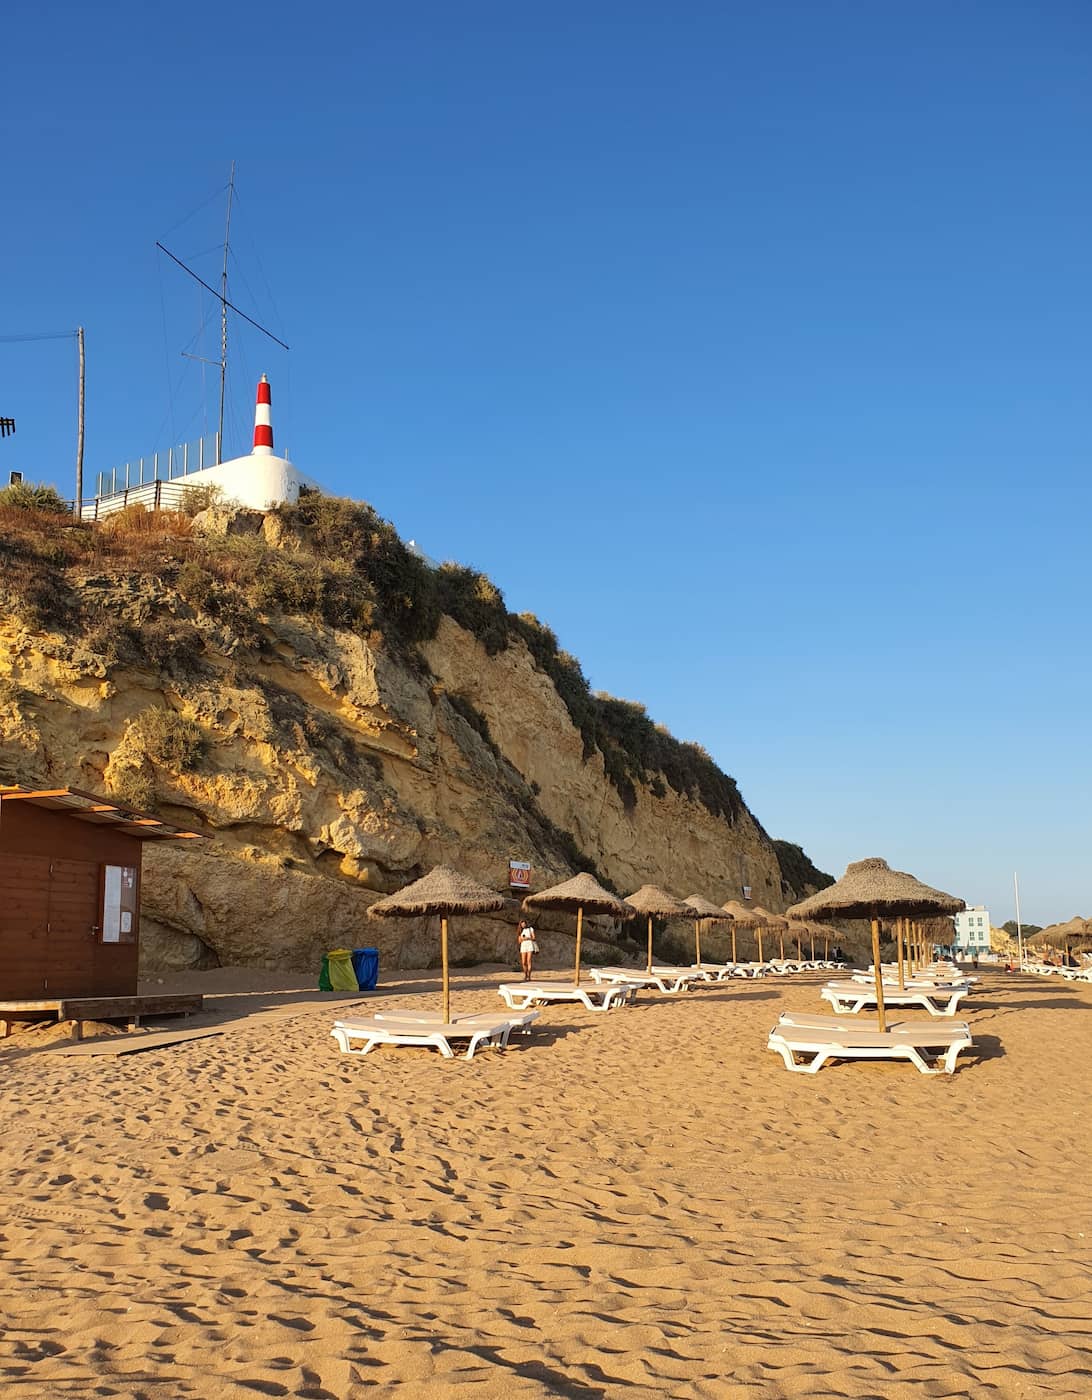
(798, 875)
(334, 561)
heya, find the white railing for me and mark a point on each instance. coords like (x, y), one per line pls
(161, 466)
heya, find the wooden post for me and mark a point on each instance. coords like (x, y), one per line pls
(898, 943)
(697, 942)
(649, 969)
(880, 1013)
(758, 935)
(781, 942)
(579, 933)
(447, 978)
(813, 945)
(826, 947)
(733, 942)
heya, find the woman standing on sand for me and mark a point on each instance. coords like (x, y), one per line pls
(525, 937)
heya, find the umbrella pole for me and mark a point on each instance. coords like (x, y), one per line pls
(781, 944)
(649, 968)
(813, 947)
(697, 943)
(826, 947)
(733, 942)
(579, 932)
(447, 978)
(880, 1013)
(898, 940)
(758, 935)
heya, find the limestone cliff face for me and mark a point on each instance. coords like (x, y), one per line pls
(324, 770)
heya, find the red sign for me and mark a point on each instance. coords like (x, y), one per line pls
(519, 874)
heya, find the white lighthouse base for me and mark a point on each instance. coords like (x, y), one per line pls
(257, 481)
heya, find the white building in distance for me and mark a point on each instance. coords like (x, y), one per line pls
(972, 932)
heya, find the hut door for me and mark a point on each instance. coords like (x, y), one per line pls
(24, 921)
(73, 921)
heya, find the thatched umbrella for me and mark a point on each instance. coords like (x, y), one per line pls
(774, 921)
(580, 893)
(442, 891)
(1063, 936)
(657, 904)
(707, 912)
(745, 917)
(869, 890)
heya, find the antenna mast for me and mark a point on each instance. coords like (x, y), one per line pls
(223, 317)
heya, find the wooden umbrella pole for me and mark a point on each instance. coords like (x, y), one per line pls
(447, 977)
(898, 941)
(758, 935)
(881, 1015)
(781, 943)
(826, 947)
(733, 942)
(579, 932)
(813, 947)
(697, 942)
(649, 968)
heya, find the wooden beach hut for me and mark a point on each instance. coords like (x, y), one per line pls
(70, 865)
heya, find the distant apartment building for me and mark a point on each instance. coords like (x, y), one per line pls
(972, 932)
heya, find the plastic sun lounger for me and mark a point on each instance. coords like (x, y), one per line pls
(517, 1020)
(817, 1046)
(723, 971)
(434, 1033)
(665, 979)
(851, 997)
(817, 1021)
(595, 996)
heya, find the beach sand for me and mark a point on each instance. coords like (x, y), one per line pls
(643, 1203)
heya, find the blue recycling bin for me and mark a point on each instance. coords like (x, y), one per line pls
(366, 967)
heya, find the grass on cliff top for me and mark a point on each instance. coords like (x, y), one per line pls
(338, 563)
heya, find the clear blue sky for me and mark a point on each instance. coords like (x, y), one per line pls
(748, 345)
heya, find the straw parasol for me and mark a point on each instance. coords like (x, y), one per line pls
(1063, 936)
(657, 904)
(871, 890)
(746, 918)
(442, 891)
(580, 893)
(708, 912)
(774, 921)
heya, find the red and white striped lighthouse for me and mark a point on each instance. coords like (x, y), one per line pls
(263, 421)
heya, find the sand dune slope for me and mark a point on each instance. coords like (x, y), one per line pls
(639, 1204)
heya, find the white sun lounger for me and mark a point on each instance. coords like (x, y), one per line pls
(723, 971)
(593, 995)
(665, 979)
(817, 1046)
(517, 1020)
(815, 1020)
(370, 1032)
(850, 997)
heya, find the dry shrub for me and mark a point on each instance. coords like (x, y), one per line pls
(138, 520)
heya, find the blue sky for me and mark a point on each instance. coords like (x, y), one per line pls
(747, 345)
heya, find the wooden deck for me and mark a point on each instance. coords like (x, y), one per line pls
(81, 1009)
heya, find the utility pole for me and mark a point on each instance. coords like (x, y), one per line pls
(223, 317)
(79, 430)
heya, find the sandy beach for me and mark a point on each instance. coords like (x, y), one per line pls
(643, 1203)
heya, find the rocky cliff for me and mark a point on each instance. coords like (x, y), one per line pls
(336, 718)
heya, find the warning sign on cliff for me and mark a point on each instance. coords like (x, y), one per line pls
(519, 874)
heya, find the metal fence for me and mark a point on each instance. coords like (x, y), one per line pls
(153, 495)
(161, 466)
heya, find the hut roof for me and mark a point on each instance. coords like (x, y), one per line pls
(581, 892)
(871, 888)
(98, 811)
(743, 914)
(1072, 929)
(650, 899)
(441, 891)
(705, 909)
(770, 919)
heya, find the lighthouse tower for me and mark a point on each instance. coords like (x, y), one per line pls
(263, 479)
